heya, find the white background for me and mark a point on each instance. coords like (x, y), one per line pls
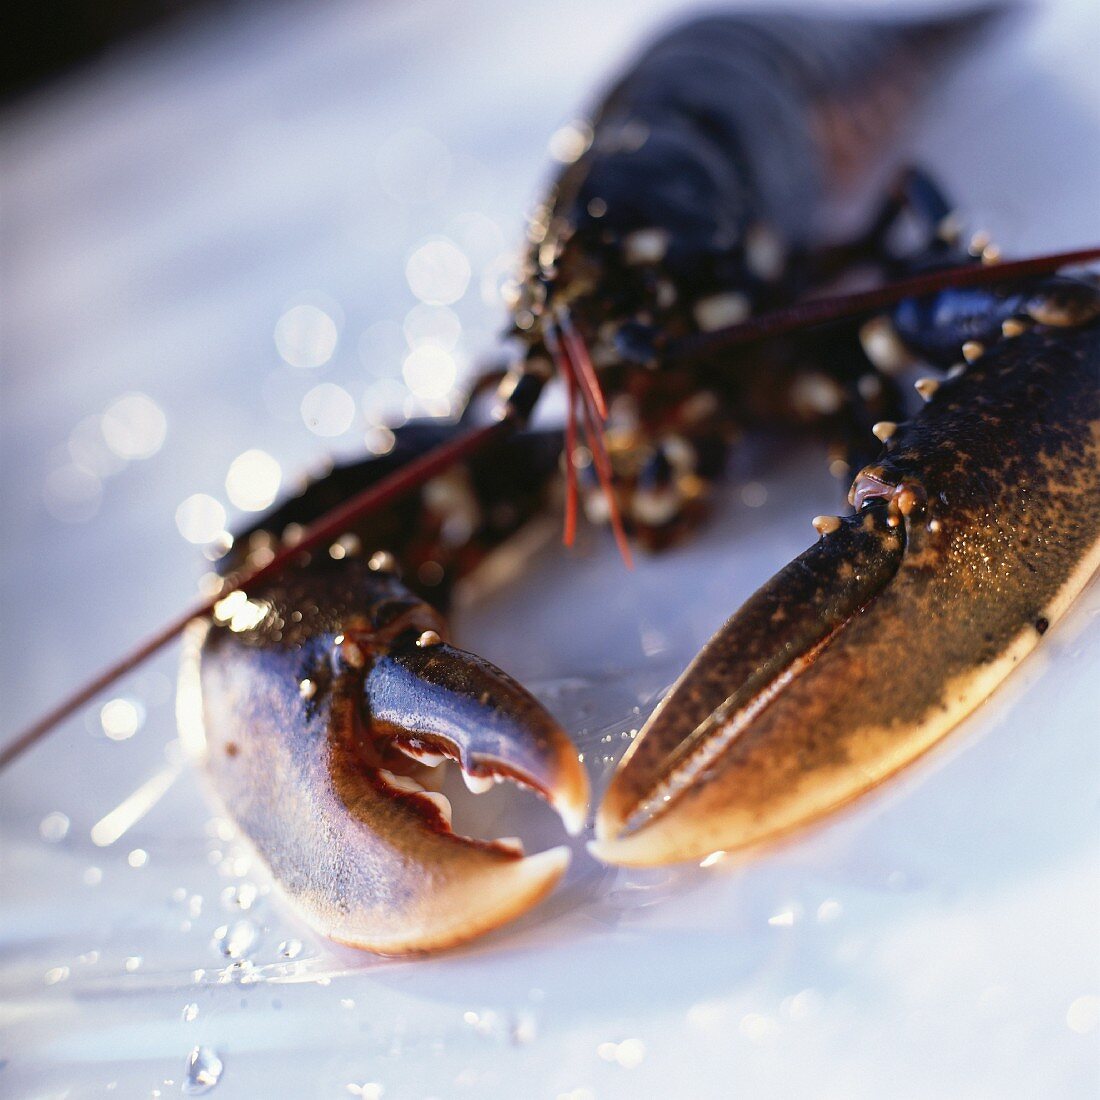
(162, 210)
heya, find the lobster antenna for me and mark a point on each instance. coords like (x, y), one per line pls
(326, 529)
(572, 360)
(819, 311)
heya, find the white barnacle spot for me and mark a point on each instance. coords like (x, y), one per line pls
(973, 350)
(226, 607)
(307, 689)
(666, 293)
(346, 546)
(253, 480)
(764, 252)
(869, 386)
(816, 394)
(949, 228)
(645, 246)
(1013, 326)
(570, 142)
(382, 561)
(956, 370)
(881, 344)
(655, 507)
(979, 242)
(721, 310)
(248, 615)
(428, 639)
(826, 525)
(353, 654)
(926, 387)
(883, 430)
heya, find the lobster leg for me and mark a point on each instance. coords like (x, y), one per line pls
(974, 531)
(318, 706)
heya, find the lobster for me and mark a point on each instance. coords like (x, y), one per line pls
(324, 700)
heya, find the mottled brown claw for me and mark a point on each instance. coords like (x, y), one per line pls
(978, 527)
(316, 735)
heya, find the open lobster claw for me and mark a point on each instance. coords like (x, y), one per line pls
(323, 706)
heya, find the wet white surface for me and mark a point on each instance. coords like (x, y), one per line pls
(163, 211)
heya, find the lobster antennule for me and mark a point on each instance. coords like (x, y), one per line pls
(570, 357)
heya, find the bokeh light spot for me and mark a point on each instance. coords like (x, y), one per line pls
(328, 409)
(306, 336)
(253, 480)
(134, 426)
(200, 518)
(438, 272)
(429, 371)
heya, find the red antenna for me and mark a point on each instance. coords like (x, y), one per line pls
(582, 388)
(819, 311)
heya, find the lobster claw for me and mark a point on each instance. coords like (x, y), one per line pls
(977, 527)
(760, 753)
(318, 708)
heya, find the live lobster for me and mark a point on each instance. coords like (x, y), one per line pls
(323, 700)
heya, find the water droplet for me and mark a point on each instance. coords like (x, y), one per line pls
(524, 1028)
(56, 974)
(1083, 1015)
(369, 1090)
(54, 827)
(290, 949)
(138, 857)
(132, 963)
(202, 1071)
(236, 939)
(240, 897)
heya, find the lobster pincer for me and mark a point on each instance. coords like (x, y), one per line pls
(972, 533)
(325, 704)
